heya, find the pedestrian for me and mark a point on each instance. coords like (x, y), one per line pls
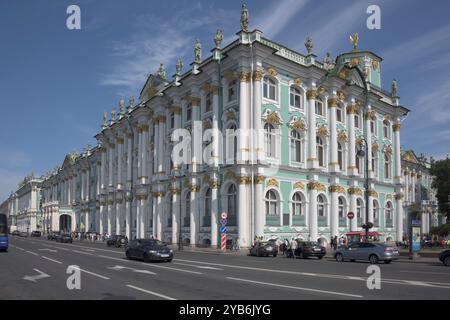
(238, 246)
(293, 247)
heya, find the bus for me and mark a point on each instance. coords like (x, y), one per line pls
(3, 232)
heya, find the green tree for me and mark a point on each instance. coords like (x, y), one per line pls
(441, 171)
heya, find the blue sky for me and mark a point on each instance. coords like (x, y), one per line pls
(55, 83)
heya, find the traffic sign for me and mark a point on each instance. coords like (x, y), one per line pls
(223, 229)
(224, 215)
(223, 221)
(350, 215)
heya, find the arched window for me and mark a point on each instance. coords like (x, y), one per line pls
(232, 204)
(359, 208)
(271, 203)
(207, 208)
(297, 204)
(320, 111)
(296, 146)
(231, 144)
(320, 151)
(358, 161)
(339, 114)
(387, 167)
(187, 209)
(376, 210)
(321, 207)
(295, 98)
(340, 155)
(388, 211)
(269, 88)
(208, 102)
(386, 132)
(232, 91)
(341, 207)
(189, 112)
(374, 163)
(270, 140)
(357, 120)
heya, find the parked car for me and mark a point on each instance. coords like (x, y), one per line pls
(148, 250)
(373, 252)
(15, 233)
(444, 257)
(23, 234)
(117, 241)
(264, 248)
(52, 235)
(36, 234)
(307, 249)
(64, 238)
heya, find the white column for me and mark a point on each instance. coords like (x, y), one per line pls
(354, 221)
(111, 166)
(334, 164)
(243, 117)
(214, 212)
(215, 124)
(371, 217)
(144, 172)
(120, 142)
(258, 141)
(260, 215)
(407, 187)
(156, 145)
(334, 211)
(351, 111)
(175, 213)
(398, 161)
(243, 213)
(312, 161)
(312, 210)
(161, 145)
(399, 214)
(413, 186)
(155, 215)
(196, 134)
(194, 213)
(82, 184)
(88, 184)
(159, 216)
(103, 169)
(369, 143)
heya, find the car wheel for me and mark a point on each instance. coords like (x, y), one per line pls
(447, 261)
(146, 258)
(387, 261)
(339, 257)
(127, 254)
(320, 257)
(170, 260)
(373, 259)
(274, 255)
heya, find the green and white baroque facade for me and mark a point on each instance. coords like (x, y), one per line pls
(299, 179)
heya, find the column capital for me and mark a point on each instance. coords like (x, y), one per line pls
(258, 75)
(244, 76)
(259, 179)
(311, 94)
(333, 102)
(396, 127)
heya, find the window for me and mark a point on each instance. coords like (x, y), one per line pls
(386, 131)
(320, 151)
(172, 120)
(270, 139)
(269, 88)
(232, 204)
(373, 127)
(208, 202)
(341, 207)
(296, 146)
(319, 107)
(187, 209)
(321, 210)
(357, 121)
(358, 161)
(189, 112)
(231, 144)
(387, 167)
(232, 91)
(340, 155)
(295, 98)
(388, 211)
(374, 163)
(375, 210)
(359, 208)
(297, 204)
(339, 114)
(208, 103)
(271, 203)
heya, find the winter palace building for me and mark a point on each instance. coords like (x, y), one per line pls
(269, 136)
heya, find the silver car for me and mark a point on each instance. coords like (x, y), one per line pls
(373, 252)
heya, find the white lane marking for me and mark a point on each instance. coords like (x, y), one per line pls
(150, 292)
(297, 288)
(90, 250)
(118, 268)
(93, 274)
(82, 252)
(410, 271)
(355, 278)
(420, 283)
(17, 247)
(199, 267)
(51, 259)
(51, 250)
(33, 253)
(41, 275)
(152, 265)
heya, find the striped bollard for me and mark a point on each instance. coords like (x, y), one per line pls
(223, 242)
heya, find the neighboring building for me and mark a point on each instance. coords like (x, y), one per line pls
(23, 207)
(299, 178)
(418, 191)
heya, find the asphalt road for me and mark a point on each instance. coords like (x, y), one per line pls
(35, 268)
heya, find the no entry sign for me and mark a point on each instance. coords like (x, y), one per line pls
(350, 215)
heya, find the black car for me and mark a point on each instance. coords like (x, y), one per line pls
(36, 234)
(307, 249)
(264, 248)
(64, 238)
(52, 235)
(444, 257)
(117, 241)
(148, 250)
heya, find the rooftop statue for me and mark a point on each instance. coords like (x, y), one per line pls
(328, 62)
(354, 39)
(162, 72)
(131, 102)
(122, 106)
(178, 67)
(244, 18)
(113, 114)
(105, 120)
(198, 51)
(218, 38)
(394, 88)
(309, 45)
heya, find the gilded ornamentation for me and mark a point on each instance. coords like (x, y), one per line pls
(354, 39)
(244, 76)
(343, 74)
(273, 118)
(316, 186)
(311, 94)
(399, 196)
(355, 191)
(322, 131)
(373, 194)
(273, 183)
(332, 102)
(260, 179)
(342, 136)
(299, 185)
(175, 191)
(299, 125)
(340, 95)
(375, 64)
(387, 118)
(321, 90)
(359, 142)
(354, 62)
(272, 72)
(258, 75)
(214, 184)
(195, 188)
(375, 147)
(370, 115)
(336, 188)
(388, 150)
(352, 109)
(298, 82)
(389, 197)
(244, 180)
(396, 127)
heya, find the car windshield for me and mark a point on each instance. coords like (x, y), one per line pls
(151, 243)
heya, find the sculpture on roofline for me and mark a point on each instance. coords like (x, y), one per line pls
(328, 62)
(179, 67)
(394, 88)
(113, 114)
(218, 37)
(198, 51)
(122, 106)
(309, 45)
(244, 18)
(354, 39)
(105, 120)
(162, 72)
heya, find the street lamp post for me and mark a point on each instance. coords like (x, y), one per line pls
(364, 153)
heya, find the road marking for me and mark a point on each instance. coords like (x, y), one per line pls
(90, 250)
(41, 275)
(410, 271)
(47, 250)
(118, 268)
(94, 274)
(33, 253)
(82, 252)
(199, 267)
(17, 247)
(297, 288)
(51, 259)
(150, 292)
(419, 283)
